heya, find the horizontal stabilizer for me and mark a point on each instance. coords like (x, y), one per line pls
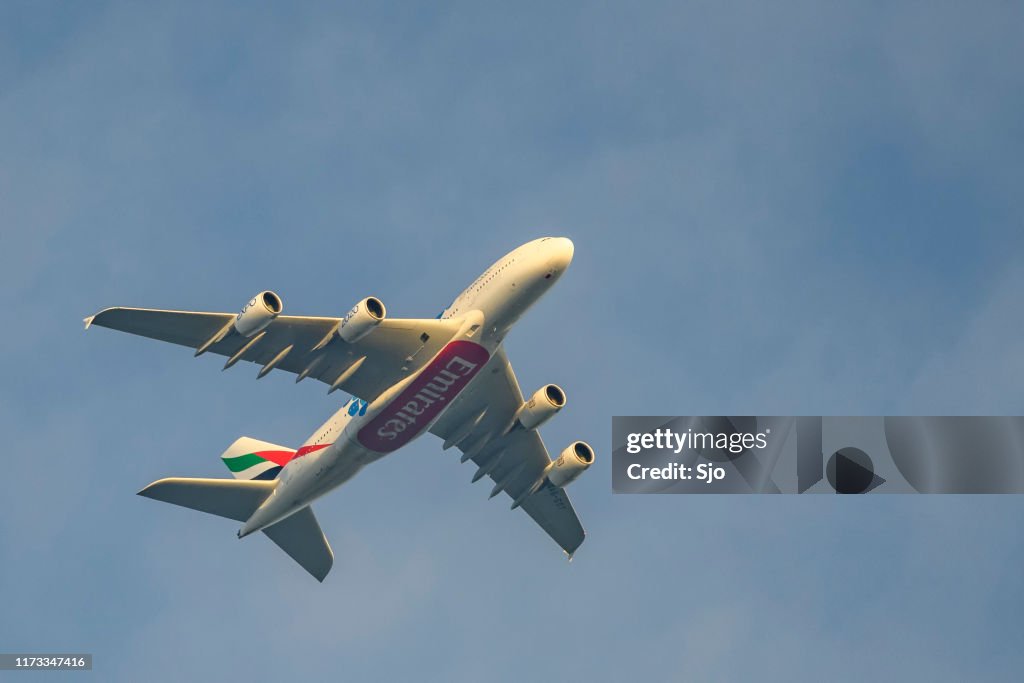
(235, 499)
(300, 536)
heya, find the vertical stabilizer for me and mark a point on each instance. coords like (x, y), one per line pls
(253, 459)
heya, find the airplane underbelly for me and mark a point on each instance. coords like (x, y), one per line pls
(426, 397)
(306, 481)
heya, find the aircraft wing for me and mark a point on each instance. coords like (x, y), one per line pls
(391, 352)
(514, 461)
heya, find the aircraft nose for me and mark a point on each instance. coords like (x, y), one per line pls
(560, 251)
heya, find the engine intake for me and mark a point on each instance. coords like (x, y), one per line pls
(542, 406)
(258, 313)
(571, 463)
(362, 319)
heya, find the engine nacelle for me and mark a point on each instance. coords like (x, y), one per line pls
(258, 313)
(576, 457)
(542, 406)
(362, 319)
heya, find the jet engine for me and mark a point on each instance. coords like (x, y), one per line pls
(362, 319)
(576, 457)
(542, 406)
(258, 313)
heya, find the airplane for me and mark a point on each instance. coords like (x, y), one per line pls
(448, 375)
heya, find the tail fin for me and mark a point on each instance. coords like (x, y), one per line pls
(253, 459)
(299, 534)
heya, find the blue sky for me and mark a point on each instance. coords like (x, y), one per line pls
(801, 208)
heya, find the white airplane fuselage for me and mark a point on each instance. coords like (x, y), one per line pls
(360, 433)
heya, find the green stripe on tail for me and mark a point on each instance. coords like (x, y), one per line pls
(251, 458)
